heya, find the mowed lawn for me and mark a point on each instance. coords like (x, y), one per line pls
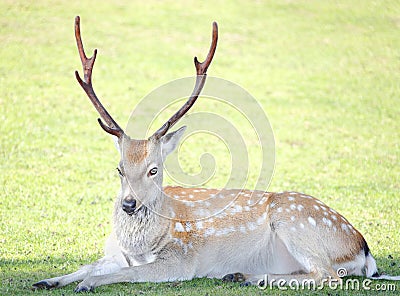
(327, 74)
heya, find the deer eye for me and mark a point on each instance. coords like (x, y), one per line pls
(153, 172)
(120, 172)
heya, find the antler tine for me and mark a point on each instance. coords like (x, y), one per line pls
(87, 64)
(201, 71)
(201, 68)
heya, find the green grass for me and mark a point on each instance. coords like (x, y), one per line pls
(327, 73)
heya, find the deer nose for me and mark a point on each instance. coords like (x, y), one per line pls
(129, 205)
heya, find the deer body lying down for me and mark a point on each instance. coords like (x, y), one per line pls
(285, 235)
(157, 238)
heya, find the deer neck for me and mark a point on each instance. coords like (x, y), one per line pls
(136, 233)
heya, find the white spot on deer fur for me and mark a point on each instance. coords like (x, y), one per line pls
(334, 217)
(207, 203)
(291, 198)
(199, 225)
(312, 221)
(316, 207)
(251, 226)
(196, 190)
(177, 196)
(179, 227)
(225, 231)
(242, 229)
(209, 231)
(183, 192)
(221, 215)
(188, 226)
(247, 208)
(287, 210)
(279, 210)
(202, 212)
(293, 228)
(293, 206)
(318, 201)
(293, 193)
(262, 219)
(300, 208)
(203, 190)
(301, 225)
(327, 221)
(292, 218)
(263, 200)
(236, 209)
(322, 207)
(334, 228)
(189, 203)
(326, 213)
(272, 204)
(345, 227)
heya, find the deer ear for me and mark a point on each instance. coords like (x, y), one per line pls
(171, 140)
(116, 143)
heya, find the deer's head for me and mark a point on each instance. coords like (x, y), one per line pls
(141, 164)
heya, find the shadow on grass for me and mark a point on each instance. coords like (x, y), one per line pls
(17, 277)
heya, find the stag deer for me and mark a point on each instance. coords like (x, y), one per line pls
(286, 235)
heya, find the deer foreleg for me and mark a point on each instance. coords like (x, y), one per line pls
(106, 265)
(158, 271)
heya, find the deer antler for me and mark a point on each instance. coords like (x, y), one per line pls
(201, 71)
(87, 63)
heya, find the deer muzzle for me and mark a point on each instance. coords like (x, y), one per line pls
(129, 205)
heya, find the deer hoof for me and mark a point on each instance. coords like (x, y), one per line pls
(45, 285)
(234, 277)
(81, 289)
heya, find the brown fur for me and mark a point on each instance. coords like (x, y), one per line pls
(137, 151)
(261, 202)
